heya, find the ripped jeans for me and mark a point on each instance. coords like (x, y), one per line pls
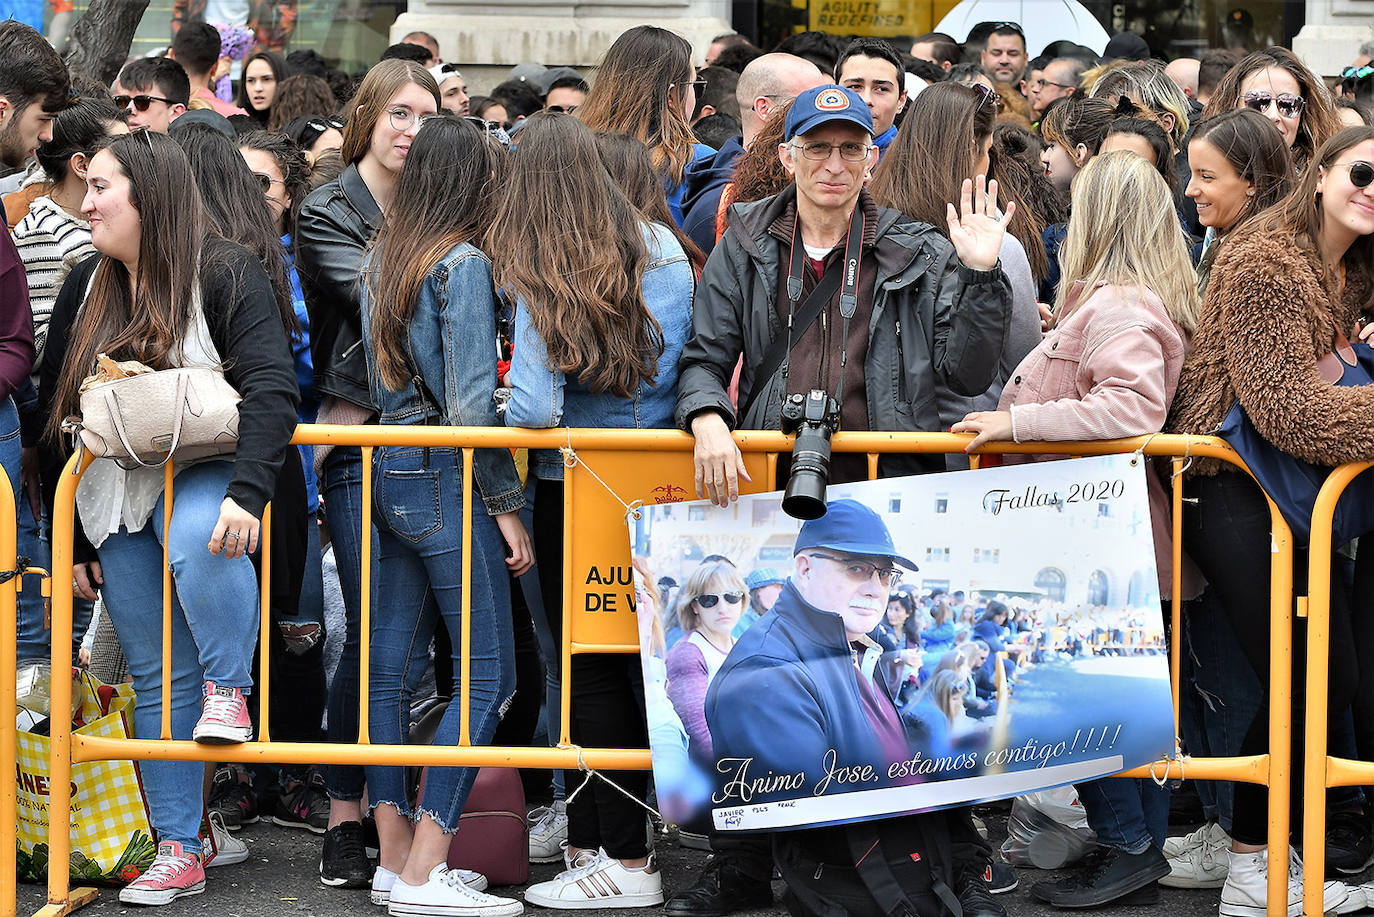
(419, 517)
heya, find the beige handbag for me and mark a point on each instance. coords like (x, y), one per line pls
(150, 418)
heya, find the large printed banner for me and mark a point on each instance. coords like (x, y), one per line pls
(931, 641)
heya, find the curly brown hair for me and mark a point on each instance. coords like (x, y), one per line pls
(301, 95)
(759, 172)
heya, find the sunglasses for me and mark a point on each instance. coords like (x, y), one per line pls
(1289, 106)
(698, 85)
(324, 124)
(140, 101)
(266, 181)
(1361, 173)
(710, 599)
(492, 129)
(986, 95)
(565, 109)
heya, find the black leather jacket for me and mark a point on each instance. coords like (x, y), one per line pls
(335, 225)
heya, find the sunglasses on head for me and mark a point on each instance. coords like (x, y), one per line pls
(710, 599)
(140, 101)
(1288, 105)
(324, 124)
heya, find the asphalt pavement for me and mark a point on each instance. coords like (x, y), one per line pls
(279, 878)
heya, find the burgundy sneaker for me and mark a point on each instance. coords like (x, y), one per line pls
(224, 717)
(173, 874)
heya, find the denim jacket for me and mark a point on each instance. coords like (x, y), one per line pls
(544, 397)
(451, 340)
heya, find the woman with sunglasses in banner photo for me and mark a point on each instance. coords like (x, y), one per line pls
(1279, 86)
(1286, 290)
(708, 609)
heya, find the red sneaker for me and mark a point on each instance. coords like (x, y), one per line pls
(174, 874)
(224, 717)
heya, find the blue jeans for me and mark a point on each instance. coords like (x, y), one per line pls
(420, 514)
(1129, 814)
(214, 631)
(341, 487)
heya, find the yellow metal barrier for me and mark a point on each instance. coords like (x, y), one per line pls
(669, 454)
(1319, 769)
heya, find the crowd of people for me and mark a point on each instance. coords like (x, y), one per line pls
(923, 235)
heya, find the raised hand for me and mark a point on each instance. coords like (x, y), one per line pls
(976, 230)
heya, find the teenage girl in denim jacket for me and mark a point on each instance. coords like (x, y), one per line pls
(429, 328)
(603, 308)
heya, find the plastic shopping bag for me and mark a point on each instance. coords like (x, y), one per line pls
(1048, 830)
(111, 837)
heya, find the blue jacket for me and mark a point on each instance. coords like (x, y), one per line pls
(937, 639)
(544, 397)
(451, 340)
(788, 693)
(675, 192)
(702, 183)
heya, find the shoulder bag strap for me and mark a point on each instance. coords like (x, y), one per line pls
(772, 357)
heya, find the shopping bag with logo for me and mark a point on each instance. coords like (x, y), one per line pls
(111, 837)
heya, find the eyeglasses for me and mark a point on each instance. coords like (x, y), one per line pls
(817, 151)
(698, 85)
(710, 599)
(1361, 173)
(492, 129)
(861, 571)
(267, 181)
(1042, 83)
(145, 131)
(324, 124)
(403, 119)
(1289, 106)
(140, 101)
(565, 109)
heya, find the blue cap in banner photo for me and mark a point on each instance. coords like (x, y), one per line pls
(764, 576)
(823, 105)
(851, 527)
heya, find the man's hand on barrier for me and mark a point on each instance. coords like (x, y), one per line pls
(719, 463)
(518, 540)
(991, 426)
(86, 579)
(236, 532)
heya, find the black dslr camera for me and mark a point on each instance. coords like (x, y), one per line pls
(814, 418)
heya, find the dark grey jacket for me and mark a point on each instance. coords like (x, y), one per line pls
(933, 319)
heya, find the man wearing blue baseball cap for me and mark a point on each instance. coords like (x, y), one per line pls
(820, 289)
(806, 673)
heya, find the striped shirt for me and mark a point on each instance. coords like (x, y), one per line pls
(50, 240)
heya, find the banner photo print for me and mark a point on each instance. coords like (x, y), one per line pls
(930, 641)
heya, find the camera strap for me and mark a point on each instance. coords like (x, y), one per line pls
(798, 321)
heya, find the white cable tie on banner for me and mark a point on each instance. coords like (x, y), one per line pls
(593, 772)
(571, 460)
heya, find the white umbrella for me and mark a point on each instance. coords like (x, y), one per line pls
(1043, 21)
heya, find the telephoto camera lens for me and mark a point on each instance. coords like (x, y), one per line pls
(804, 497)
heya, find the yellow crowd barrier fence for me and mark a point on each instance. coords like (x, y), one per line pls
(607, 472)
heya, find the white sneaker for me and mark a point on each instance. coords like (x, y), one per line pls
(446, 894)
(1210, 834)
(1246, 888)
(228, 849)
(548, 832)
(602, 883)
(383, 880)
(1202, 861)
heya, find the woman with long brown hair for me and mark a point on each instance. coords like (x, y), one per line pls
(166, 291)
(630, 165)
(335, 224)
(647, 87)
(602, 311)
(944, 141)
(1279, 86)
(429, 328)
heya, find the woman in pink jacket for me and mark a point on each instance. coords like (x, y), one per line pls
(1108, 369)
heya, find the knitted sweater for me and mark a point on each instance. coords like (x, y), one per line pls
(1266, 319)
(50, 240)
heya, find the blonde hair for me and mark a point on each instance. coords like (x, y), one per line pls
(1123, 230)
(718, 576)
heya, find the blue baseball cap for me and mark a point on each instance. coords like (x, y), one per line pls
(825, 104)
(851, 527)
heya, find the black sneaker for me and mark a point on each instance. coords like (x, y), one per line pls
(344, 862)
(975, 899)
(1000, 878)
(304, 805)
(232, 796)
(1349, 846)
(720, 889)
(1108, 874)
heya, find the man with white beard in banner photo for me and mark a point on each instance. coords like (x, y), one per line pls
(798, 701)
